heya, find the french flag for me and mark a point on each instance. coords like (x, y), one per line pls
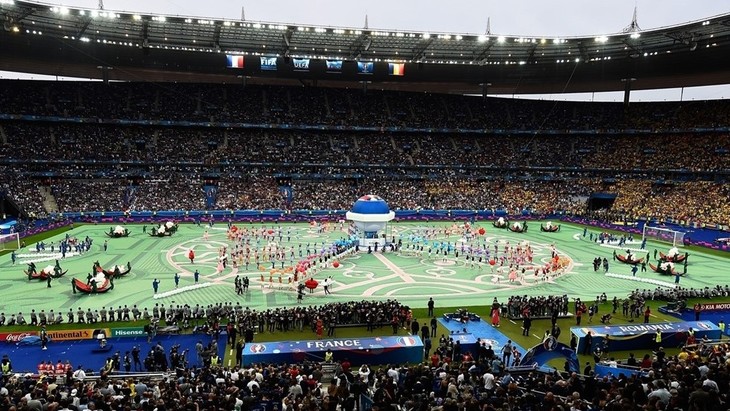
(407, 341)
(234, 61)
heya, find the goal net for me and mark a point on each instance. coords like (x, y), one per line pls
(665, 235)
(9, 242)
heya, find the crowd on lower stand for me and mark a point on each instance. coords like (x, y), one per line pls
(449, 378)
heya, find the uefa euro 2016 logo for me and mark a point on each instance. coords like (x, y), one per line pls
(550, 344)
(370, 197)
(703, 326)
(257, 348)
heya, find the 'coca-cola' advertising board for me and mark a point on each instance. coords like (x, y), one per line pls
(16, 337)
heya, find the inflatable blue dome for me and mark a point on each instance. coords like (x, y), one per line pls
(370, 204)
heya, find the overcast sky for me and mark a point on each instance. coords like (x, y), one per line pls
(516, 17)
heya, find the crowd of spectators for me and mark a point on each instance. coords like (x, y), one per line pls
(301, 105)
(261, 193)
(78, 147)
(685, 202)
(103, 165)
(23, 191)
(89, 195)
(172, 192)
(451, 378)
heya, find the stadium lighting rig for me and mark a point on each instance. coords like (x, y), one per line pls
(243, 37)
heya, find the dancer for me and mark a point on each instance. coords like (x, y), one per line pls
(495, 317)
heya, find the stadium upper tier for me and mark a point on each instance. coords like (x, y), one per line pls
(129, 46)
(151, 146)
(344, 108)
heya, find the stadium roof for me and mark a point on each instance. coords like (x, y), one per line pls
(69, 41)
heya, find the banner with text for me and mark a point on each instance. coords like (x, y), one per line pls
(301, 64)
(268, 63)
(82, 334)
(15, 337)
(128, 332)
(378, 350)
(635, 336)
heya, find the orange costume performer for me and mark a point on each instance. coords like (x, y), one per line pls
(320, 328)
(495, 317)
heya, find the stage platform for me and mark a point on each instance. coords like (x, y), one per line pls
(25, 358)
(373, 350)
(476, 328)
(713, 312)
(641, 336)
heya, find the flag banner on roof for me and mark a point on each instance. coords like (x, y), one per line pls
(234, 61)
(334, 66)
(365, 67)
(268, 63)
(301, 64)
(396, 69)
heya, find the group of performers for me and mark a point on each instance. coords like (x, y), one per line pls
(258, 247)
(474, 251)
(279, 251)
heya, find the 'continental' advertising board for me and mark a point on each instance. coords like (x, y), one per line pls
(82, 334)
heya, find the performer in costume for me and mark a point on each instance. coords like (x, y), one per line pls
(495, 317)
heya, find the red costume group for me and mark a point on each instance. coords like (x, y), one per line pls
(47, 368)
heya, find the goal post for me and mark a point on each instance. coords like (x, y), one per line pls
(9, 242)
(664, 234)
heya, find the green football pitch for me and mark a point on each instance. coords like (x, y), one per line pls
(409, 277)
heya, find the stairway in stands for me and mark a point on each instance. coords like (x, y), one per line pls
(49, 200)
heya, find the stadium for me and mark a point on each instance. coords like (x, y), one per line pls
(220, 193)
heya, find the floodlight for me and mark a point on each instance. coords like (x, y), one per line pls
(501, 39)
(482, 38)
